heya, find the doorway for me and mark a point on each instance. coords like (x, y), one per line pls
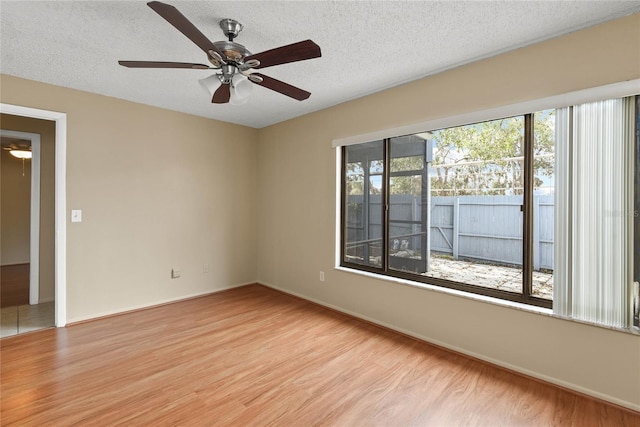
(59, 224)
(20, 300)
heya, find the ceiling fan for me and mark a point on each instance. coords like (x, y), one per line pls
(19, 148)
(235, 65)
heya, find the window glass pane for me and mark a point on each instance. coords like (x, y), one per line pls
(543, 202)
(476, 189)
(376, 166)
(408, 200)
(409, 163)
(363, 204)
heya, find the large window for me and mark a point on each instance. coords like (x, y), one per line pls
(448, 207)
(476, 208)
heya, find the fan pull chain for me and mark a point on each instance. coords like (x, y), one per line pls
(23, 167)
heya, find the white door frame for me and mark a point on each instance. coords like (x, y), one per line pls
(34, 229)
(60, 201)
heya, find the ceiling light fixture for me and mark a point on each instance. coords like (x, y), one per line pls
(241, 89)
(210, 84)
(21, 154)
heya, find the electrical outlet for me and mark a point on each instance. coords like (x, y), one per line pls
(205, 268)
(175, 273)
(322, 276)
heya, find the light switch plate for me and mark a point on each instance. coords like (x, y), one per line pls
(76, 215)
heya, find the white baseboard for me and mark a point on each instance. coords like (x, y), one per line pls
(515, 368)
(153, 304)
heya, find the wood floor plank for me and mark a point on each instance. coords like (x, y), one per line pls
(255, 356)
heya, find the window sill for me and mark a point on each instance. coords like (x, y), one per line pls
(485, 299)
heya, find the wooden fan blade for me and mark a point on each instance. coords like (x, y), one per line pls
(290, 53)
(282, 87)
(160, 64)
(222, 94)
(182, 24)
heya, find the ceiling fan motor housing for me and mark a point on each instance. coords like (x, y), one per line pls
(233, 52)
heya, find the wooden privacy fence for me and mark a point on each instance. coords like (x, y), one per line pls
(489, 228)
(483, 228)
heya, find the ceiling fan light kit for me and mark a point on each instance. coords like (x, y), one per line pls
(241, 89)
(21, 154)
(235, 65)
(20, 149)
(210, 84)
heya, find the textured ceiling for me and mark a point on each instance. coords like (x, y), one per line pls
(366, 46)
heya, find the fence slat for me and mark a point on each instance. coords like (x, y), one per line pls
(456, 227)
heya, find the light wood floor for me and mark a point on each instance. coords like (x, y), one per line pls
(255, 356)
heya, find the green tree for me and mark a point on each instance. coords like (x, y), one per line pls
(407, 184)
(488, 158)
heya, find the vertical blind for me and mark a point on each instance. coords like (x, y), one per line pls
(593, 235)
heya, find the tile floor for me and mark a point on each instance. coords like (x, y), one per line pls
(26, 318)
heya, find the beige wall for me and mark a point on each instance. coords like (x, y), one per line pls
(297, 205)
(46, 130)
(16, 205)
(158, 189)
